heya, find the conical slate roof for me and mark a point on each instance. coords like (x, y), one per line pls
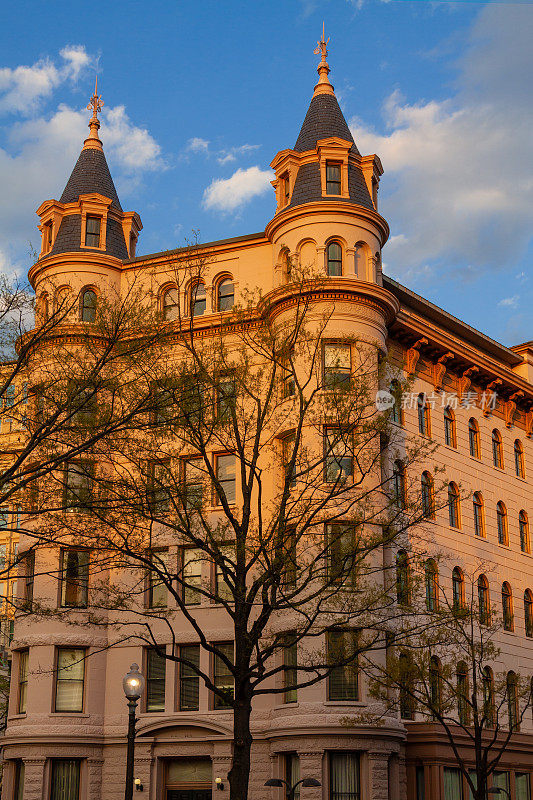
(323, 119)
(91, 174)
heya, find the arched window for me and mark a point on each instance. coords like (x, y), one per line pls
(88, 306)
(454, 509)
(399, 484)
(463, 707)
(488, 697)
(334, 259)
(519, 459)
(428, 496)
(44, 307)
(523, 525)
(450, 437)
(479, 514)
(528, 613)
(503, 529)
(473, 438)
(403, 582)
(497, 449)
(170, 303)
(507, 607)
(512, 701)
(435, 684)
(483, 598)
(198, 300)
(63, 301)
(396, 411)
(424, 421)
(458, 589)
(406, 682)
(225, 295)
(431, 579)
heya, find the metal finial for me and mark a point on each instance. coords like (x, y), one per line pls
(95, 103)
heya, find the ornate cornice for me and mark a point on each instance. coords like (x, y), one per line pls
(329, 207)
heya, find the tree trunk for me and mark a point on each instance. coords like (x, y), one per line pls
(239, 774)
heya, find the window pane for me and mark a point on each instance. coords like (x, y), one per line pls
(522, 786)
(223, 677)
(290, 661)
(334, 255)
(157, 589)
(337, 365)
(226, 476)
(23, 681)
(18, 794)
(452, 784)
(75, 576)
(343, 679)
(189, 689)
(226, 296)
(88, 310)
(69, 681)
(155, 681)
(65, 779)
(92, 231)
(344, 778)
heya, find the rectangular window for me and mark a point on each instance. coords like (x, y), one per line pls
(70, 679)
(522, 782)
(28, 577)
(453, 784)
(333, 178)
(337, 366)
(290, 672)
(223, 678)
(287, 448)
(193, 479)
(18, 791)
(227, 560)
(65, 779)
(192, 575)
(288, 377)
(292, 775)
(157, 590)
(342, 657)
(23, 681)
(290, 564)
(78, 485)
(74, 577)
(92, 231)
(420, 785)
(155, 680)
(225, 473)
(3, 550)
(341, 553)
(159, 478)
(189, 680)
(226, 397)
(82, 404)
(503, 781)
(344, 776)
(337, 455)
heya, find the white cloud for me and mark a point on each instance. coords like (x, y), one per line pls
(197, 145)
(228, 156)
(509, 302)
(459, 168)
(228, 194)
(23, 88)
(134, 148)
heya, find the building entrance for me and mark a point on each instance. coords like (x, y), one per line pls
(189, 794)
(188, 779)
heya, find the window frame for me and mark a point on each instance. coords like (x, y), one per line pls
(333, 261)
(497, 449)
(431, 585)
(225, 280)
(424, 415)
(528, 613)
(81, 581)
(22, 683)
(523, 527)
(184, 679)
(157, 680)
(197, 301)
(502, 524)
(90, 218)
(483, 599)
(478, 507)
(507, 607)
(519, 460)
(58, 682)
(334, 183)
(232, 500)
(450, 428)
(330, 458)
(222, 675)
(454, 506)
(170, 311)
(336, 377)
(86, 307)
(346, 675)
(474, 440)
(150, 585)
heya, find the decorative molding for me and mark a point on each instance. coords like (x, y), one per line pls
(465, 381)
(510, 408)
(439, 371)
(412, 355)
(492, 388)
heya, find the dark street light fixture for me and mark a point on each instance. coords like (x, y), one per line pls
(278, 783)
(133, 685)
(498, 790)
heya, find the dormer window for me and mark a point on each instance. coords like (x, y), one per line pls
(92, 231)
(133, 245)
(375, 192)
(333, 178)
(286, 189)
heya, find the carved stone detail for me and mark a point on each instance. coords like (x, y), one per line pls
(465, 381)
(412, 355)
(439, 370)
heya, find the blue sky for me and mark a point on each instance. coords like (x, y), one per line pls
(201, 95)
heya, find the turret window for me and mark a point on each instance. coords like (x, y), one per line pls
(334, 256)
(333, 178)
(88, 306)
(48, 236)
(92, 231)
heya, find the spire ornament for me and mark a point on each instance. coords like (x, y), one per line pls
(323, 86)
(95, 105)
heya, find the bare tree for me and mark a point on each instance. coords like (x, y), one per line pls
(441, 666)
(257, 482)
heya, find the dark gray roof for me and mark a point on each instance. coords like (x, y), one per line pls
(68, 239)
(91, 174)
(307, 187)
(323, 119)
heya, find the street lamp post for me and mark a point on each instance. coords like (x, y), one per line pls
(279, 783)
(498, 790)
(133, 685)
